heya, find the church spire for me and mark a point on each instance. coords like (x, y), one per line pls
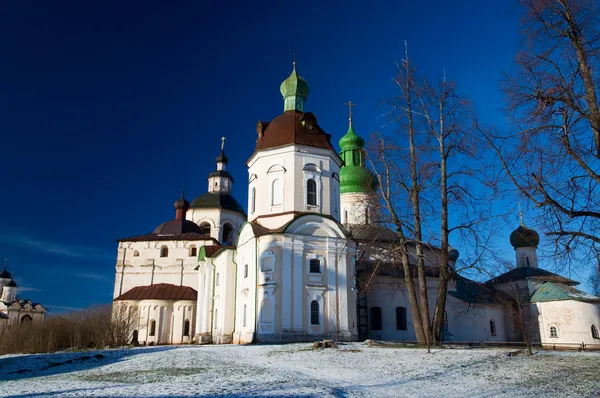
(294, 90)
(220, 181)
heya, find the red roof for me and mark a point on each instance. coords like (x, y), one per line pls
(160, 291)
(292, 127)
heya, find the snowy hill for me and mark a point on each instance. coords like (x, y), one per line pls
(285, 370)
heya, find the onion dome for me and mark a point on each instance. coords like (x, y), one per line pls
(4, 274)
(354, 175)
(294, 90)
(12, 283)
(524, 237)
(222, 158)
(181, 203)
(453, 254)
(351, 140)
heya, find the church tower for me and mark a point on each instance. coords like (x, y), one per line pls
(358, 184)
(294, 169)
(525, 242)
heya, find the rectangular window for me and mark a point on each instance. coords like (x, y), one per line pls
(217, 280)
(492, 328)
(400, 318)
(315, 266)
(375, 318)
(314, 313)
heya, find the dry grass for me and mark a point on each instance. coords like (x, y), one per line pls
(99, 326)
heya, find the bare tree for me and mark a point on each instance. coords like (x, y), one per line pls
(552, 155)
(426, 170)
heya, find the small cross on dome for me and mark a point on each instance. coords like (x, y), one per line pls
(222, 143)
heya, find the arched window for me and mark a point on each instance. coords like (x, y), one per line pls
(492, 328)
(205, 228)
(553, 332)
(276, 192)
(253, 201)
(136, 253)
(314, 313)
(595, 333)
(27, 319)
(164, 251)
(227, 233)
(193, 252)
(152, 327)
(244, 316)
(186, 327)
(311, 192)
(400, 318)
(315, 266)
(375, 318)
(246, 271)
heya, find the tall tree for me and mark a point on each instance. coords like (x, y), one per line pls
(552, 154)
(426, 171)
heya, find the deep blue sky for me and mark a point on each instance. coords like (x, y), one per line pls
(107, 107)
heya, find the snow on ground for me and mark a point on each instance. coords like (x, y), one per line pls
(355, 370)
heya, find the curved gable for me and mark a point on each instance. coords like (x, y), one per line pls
(316, 225)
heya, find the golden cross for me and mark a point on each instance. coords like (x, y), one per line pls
(350, 105)
(222, 143)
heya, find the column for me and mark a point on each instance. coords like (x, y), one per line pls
(298, 281)
(332, 307)
(286, 291)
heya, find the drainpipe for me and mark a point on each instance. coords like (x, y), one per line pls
(153, 267)
(181, 281)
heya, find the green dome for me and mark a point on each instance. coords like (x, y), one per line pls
(351, 140)
(357, 179)
(294, 86)
(354, 176)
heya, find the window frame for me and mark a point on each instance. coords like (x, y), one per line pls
(152, 328)
(375, 314)
(595, 332)
(493, 331)
(315, 318)
(311, 183)
(556, 333)
(401, 321)
(186, 328)
(164, 251)
(311, 263)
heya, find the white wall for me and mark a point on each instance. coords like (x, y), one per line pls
(289, 165)
(573, 319)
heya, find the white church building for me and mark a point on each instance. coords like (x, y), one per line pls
(15, 310)
(288, 270)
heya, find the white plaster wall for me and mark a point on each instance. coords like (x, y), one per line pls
(288, 163)
(246, 254)
(160, 311)
(354, 208)
(466, 322)
(526, 257)
(149, 268)
(573, 320)
(224, 297)
(183, 310)
(217, 218)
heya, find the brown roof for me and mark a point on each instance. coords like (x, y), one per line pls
(160, 291)
(292, 127)
(153, 236)
(525, 273)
